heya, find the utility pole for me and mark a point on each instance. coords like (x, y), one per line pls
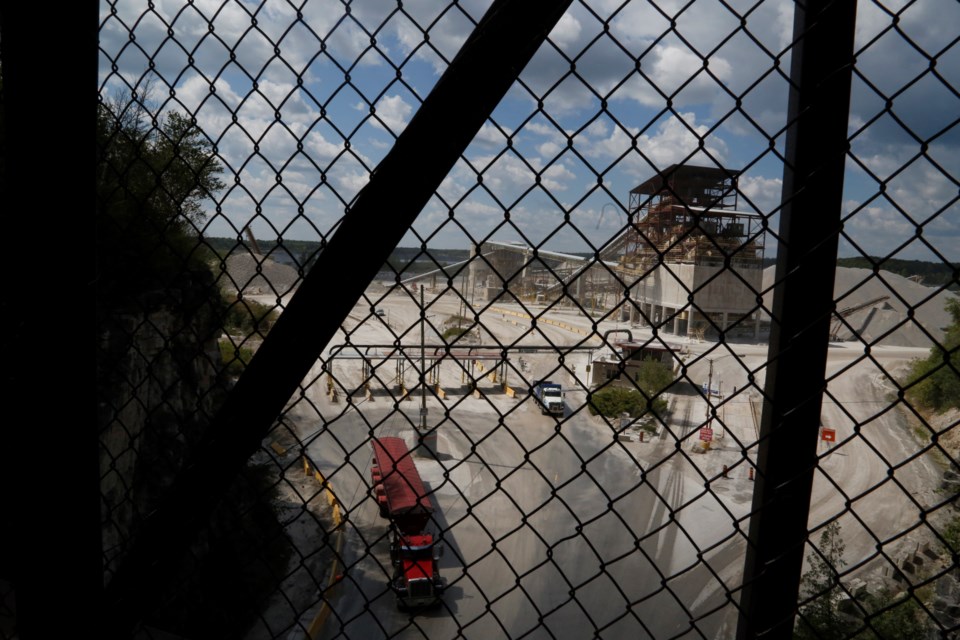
(706, 432)
(709, 389)
(423, 369)
(427, 440)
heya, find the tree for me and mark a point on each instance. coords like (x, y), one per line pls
(820, 587)
(885, 616)
(615, 401)
(651, 379)
(896, 617)
(934, 382)
(154, 173)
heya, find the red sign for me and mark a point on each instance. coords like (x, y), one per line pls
(706, 434)
(828, 435)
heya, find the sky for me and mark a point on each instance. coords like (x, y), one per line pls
(301, 102)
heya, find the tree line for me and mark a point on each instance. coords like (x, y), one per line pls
(931, 274)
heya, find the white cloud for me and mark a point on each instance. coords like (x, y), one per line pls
(350, 183)
(675, 65)
(541, 128)
(491, 136)
(637, 32)
(549, 149)
(566, 32)
(446, 35)
(392, 113)
(506, 177)
(598, 128)
(320, 149)
(764, 194)
(671, 67)
(674, 141)
(876, 225)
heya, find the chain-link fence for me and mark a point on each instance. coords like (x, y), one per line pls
(525, 319)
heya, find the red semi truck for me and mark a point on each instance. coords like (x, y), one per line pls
(403, 501)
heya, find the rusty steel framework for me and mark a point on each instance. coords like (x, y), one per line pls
(688, 214)
(686, 238)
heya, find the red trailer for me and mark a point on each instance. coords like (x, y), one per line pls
(403, 500)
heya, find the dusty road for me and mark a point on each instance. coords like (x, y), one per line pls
(559, 530)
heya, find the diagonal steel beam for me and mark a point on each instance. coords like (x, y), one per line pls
(810, 225)
(491, 59)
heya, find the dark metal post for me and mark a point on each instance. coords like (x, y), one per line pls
(810, 224)
(51, 551)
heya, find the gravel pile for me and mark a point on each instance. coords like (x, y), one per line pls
(255, 275)
(884, 321)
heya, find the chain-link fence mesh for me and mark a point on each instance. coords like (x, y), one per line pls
(571, 342)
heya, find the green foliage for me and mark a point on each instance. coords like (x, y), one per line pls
(457, 320)
(951, 533)
(651, 379)
(453, 333)
(820, 618)
(934, 381)
(245, 317)
(895, 618)
(154, 173)
(613, 402)
(235, 359)
(886, 616)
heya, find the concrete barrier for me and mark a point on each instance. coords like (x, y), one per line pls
(555, 323)
(316, 625)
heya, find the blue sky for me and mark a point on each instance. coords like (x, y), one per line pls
(298, 139)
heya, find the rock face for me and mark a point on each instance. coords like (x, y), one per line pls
(158, 385)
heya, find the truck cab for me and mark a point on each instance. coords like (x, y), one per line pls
(549, 395)
(416, 579)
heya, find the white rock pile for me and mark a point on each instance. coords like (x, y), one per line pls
(887, 322)
(254, 274)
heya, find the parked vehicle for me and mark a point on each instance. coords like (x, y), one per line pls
(404, 501)
(549, 396)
